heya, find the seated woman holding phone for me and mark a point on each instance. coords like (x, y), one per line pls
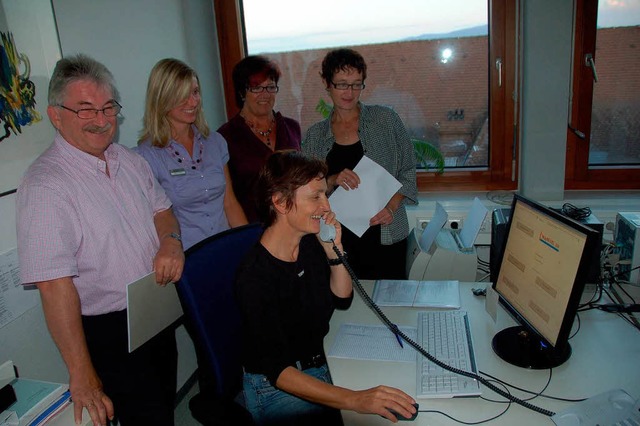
(287, 288)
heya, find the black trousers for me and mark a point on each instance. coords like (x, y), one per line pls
(370, 259)
(141, 384)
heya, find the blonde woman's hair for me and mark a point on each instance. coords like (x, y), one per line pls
(169, 85)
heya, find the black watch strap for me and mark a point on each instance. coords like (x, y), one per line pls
(337, 261)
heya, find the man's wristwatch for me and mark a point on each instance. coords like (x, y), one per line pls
(176, 236)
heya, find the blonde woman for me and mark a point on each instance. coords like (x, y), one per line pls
(188, 160)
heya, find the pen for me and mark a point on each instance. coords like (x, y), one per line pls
(395, 331)
(399, 340)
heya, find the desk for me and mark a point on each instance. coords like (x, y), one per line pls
(606, 355)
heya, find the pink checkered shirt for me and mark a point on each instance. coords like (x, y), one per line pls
(74, 220)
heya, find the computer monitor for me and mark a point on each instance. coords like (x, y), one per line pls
(543, 269)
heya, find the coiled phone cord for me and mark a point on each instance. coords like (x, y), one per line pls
(394, 329)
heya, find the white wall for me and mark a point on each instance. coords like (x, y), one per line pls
(26, 340)
(129, 37)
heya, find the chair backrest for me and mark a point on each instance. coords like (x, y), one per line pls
(206, 292)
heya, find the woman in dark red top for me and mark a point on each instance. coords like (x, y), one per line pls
(257, 130)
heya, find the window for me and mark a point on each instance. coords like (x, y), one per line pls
(455, 90)
(603, 143)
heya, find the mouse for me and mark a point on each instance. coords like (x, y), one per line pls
(401, 417)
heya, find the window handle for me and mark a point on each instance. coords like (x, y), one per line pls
(589, 61)
(499, 68)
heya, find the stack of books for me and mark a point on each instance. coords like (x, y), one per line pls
(37, 401)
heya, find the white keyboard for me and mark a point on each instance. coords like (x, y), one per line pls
(446, 336)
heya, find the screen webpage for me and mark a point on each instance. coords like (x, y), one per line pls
(539, 267)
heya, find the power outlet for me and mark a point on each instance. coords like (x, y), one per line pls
(422, 222)
(609, 221)
(453, 224)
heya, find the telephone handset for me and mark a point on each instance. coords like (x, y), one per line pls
(327, 232)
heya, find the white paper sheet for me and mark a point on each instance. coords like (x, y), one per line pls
(473, 223)
(15, 299)
(434, 226)
(372, 342)
(355, 207)
(150, 309)
(491, 303)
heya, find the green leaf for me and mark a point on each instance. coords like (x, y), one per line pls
(428, 155)
(323, 108)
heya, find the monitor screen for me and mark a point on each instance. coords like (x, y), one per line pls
(543, 270)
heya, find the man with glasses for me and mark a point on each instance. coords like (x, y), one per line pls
(91, 219)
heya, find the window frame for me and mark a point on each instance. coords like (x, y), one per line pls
(502, 173)
(578, 174)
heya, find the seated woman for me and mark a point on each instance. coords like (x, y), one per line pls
(287, 289)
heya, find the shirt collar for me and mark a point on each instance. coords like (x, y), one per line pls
(88, 161)
(364, 116)
(197, 136)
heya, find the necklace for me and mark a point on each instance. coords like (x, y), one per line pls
(181, 160)
(265, 134)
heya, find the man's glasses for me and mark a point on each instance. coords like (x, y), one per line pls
(345, 86)
(89, 113)
(272, 88)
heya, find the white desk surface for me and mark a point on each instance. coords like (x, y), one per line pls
(606, 355)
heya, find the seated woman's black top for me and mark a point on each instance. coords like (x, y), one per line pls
(285, 307)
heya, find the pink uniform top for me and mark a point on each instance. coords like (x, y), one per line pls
(74, 220)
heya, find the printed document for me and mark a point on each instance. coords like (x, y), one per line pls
(423, 294)
(355, 207)
(373, 342)
(15, 299)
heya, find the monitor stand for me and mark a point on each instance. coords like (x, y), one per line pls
(520, 347)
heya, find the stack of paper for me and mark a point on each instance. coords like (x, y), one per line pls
(423, 294)
(34, 398)
(372, 342)
(36, 401)
(53, 410)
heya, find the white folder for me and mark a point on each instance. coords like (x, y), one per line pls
(150, 309)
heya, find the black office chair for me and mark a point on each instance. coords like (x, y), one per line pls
(213, 320)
